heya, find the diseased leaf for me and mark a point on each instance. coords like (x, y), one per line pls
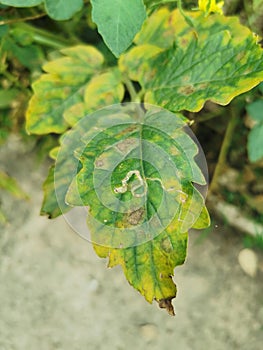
(118, 21)
(136, 176)
(62, 9)
(135, 62)
(103, 90)
(157, 30)
(61, 88)
(205, 73)
(200, 68)
(149, 267)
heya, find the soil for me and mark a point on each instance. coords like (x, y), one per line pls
(55, 293)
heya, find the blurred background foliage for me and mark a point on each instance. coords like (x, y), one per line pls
(29, 37)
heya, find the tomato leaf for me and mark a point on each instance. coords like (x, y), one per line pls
(102, 90)
(217, 60)
(62, 9)
(118, 21)
(62, 87)
(59, 10)
(21, 3)
(136, 176)
(255, 143)
(255, 136)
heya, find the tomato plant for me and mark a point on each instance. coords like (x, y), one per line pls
(126, 152)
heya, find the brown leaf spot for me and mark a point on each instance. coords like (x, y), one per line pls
(99, 163)
(135, 217)
(186, 90)
(166, 245)
(203, 86)
(167, 304)
(127, 145)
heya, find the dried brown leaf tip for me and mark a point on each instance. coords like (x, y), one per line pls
(167, 304)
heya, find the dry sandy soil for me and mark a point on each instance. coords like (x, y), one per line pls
(55, 293)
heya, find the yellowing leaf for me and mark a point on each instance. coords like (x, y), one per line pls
(157, 30)
(62, 87)
(217, 60)
(103, 90)
(136, 176)
(135, 61)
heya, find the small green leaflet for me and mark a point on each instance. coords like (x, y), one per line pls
(255, 137)
(57, 9)
(118, 21)
(62, 9)
(21, 3)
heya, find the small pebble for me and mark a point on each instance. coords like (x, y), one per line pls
(248, 261)
(149, 331)
(93, 285)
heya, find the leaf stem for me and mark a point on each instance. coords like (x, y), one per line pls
(43, 37)
(224, 149)
(130, 87)
(208, 116)
(187, 18)
(23, 19)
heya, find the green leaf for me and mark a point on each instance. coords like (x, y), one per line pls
(57, 9)
(55, 188)
(61, 88)
(57, 183)
(217, 60)
(21, 3)
(50, 204)
(255, 137)
(255, 110)
(62, 9)
(118, 21)
(136, 176)
(255, 143)
(30, 56)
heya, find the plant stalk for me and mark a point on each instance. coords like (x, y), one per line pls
(130, 87)
(222, 159)
(44, 37)
(22, 19)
